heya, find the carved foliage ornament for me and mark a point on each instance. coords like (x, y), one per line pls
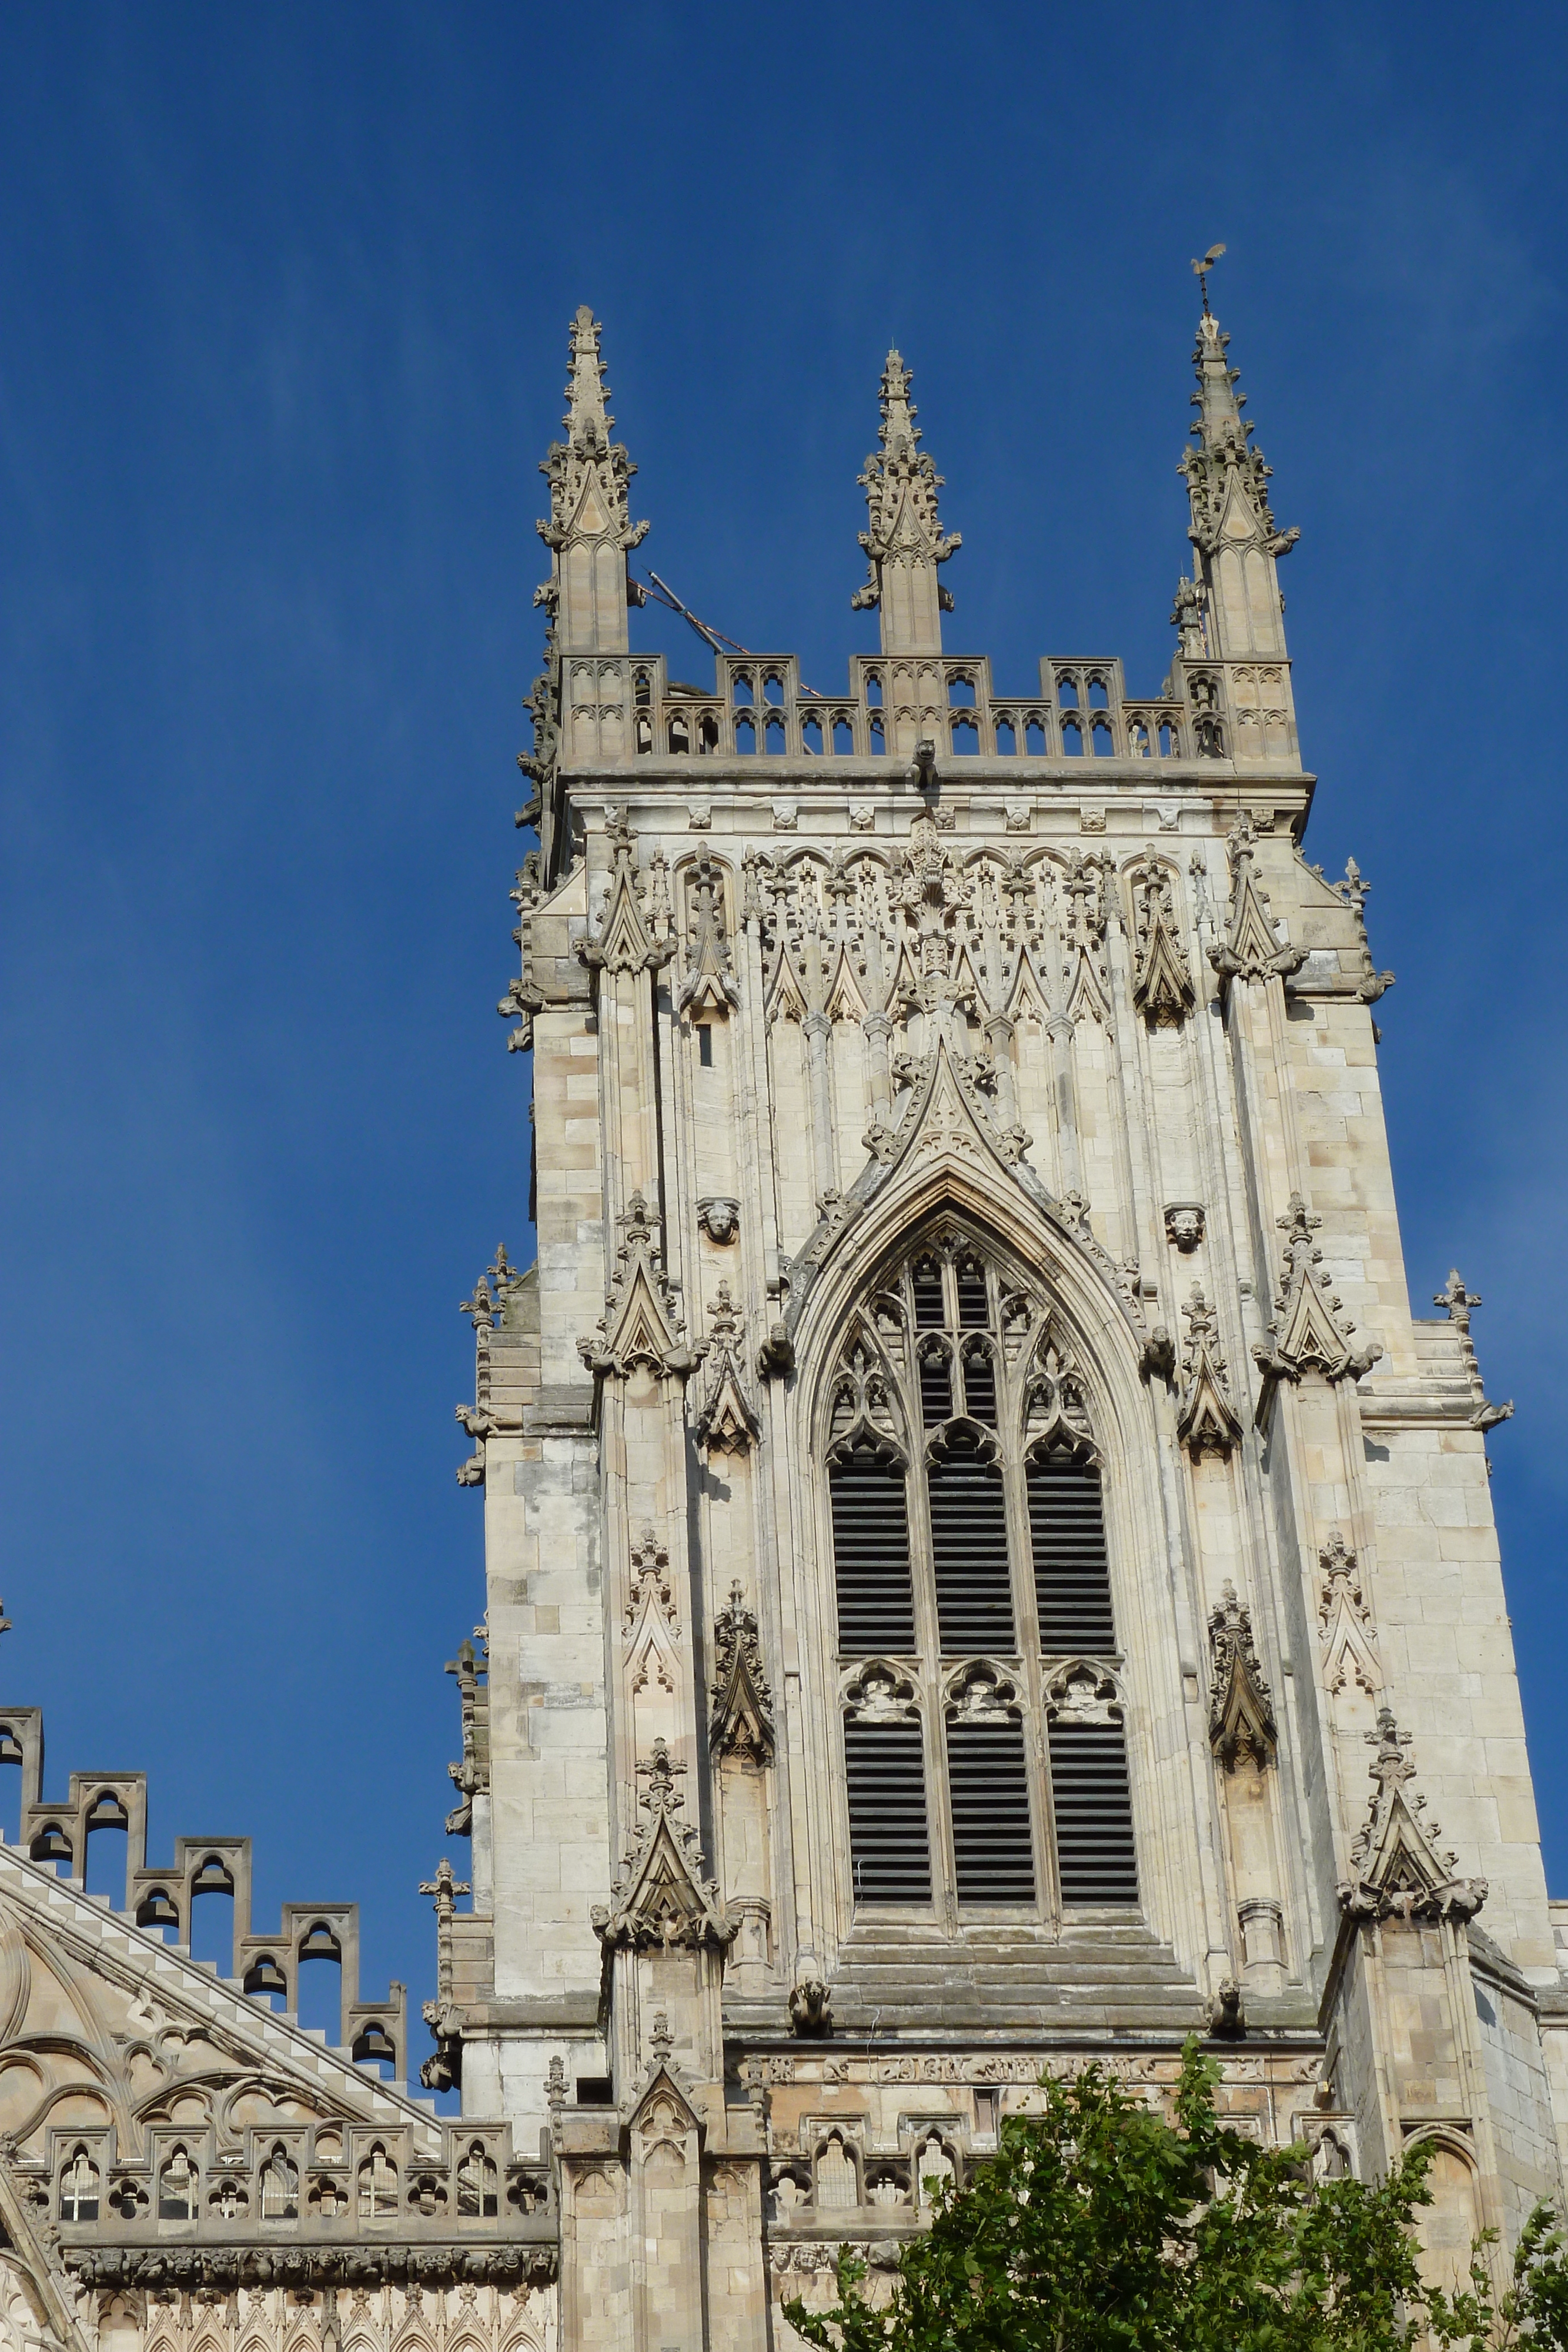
(641, 1323)
(1240, 1709)
(661, 1899)
(1252, 947)
(1162, 984)
(1310, 1331)
(1206, 1419)
(727, 1422)
(633, 933)
(1397, 1869)
(742, 1723)
(1345, 1622)
(900, 485)
(710, 985)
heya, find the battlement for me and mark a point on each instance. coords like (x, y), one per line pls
(52, 1833)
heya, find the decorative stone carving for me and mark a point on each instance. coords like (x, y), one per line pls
(1227, 2013)
(1353, 890)
(878, 1692)
(1161, 984)
(1345, 1622)
(523, 997)
(776, 1357)
(1056, 1411)
(651, 1591)
(719, 1217)
(1252, 947)
(626, 940)
(742, 1720)
(1184, 1224)
(662, 1900)
(1226, 478)
(1240, 1710)
(1083, 1690)
(710, 985)
(1206, 1419)
(810, 2009)
(905, 541)
(472, 1776)
(587, 475)
(727, 1422)
(493, 1296)
(1397, 1869)
(1458, 1302)
(642, 1322)
(1309, 1330)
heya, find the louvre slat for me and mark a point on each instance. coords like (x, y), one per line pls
(1094, 1813)
(890, 1849)
(969, 1555)
(871, 1555)
(980, 1386)
(988, 1778)
(1072, 1574)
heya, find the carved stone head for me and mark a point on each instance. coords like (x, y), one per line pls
(719, 1218)
(1184, 1224)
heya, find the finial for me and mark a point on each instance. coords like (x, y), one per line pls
(906, 541)
(1201, 269)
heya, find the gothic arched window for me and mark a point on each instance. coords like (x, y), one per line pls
(984, 1748)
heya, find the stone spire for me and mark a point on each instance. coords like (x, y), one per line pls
(1232, 609)
(588, 531)
(905, 543)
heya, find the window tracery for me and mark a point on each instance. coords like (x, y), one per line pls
(984, 1742)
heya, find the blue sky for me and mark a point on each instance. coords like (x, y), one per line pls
(283, 307)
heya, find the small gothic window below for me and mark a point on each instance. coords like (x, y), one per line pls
(280, 2188)
(935, 1385)
(889, 1852)
(476, 2192)
(378, 2187)
(981, 1383)
(78, 2188)
(837, 2184)
(930, 1307)
(177, 2188)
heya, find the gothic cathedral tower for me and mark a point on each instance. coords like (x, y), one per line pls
(977, 1546)
(983, 1568)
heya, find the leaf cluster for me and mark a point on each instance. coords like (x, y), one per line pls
(1100, 2226)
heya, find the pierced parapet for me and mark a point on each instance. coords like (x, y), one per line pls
(163, 1898)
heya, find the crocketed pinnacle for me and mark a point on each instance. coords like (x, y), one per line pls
(905, 541)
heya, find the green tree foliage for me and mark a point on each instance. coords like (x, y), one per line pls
(1102, 2227)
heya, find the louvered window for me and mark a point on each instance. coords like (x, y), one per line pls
(871, 1554)
(970, 1550)
(949, 1539)
(1072, 1574)
(987, 1775)
(980, 1384)
(936, 1386)
(890, 1849)
(1094, 1813)
(974, 1308)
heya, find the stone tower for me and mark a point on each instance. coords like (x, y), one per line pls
(983, 1567)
